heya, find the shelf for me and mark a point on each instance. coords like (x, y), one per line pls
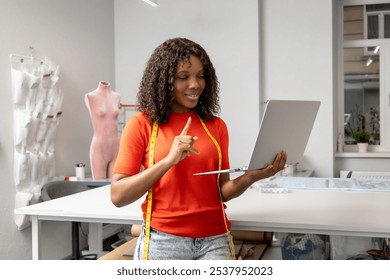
(363, 155)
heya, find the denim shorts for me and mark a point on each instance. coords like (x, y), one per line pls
(163, 246)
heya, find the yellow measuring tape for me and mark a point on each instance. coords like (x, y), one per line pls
(152, 147)
(219, 188)
(150, 192)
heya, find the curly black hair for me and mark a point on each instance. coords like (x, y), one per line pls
(155, 95)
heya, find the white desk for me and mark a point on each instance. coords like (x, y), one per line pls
(331, 212)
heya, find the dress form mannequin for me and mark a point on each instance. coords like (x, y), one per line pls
(103, 105)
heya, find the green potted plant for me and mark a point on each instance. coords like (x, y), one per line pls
(362, 137)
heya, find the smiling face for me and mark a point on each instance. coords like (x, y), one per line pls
(189, 85)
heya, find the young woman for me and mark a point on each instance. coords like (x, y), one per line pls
(176, 134)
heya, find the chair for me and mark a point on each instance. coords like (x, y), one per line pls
(57, 189)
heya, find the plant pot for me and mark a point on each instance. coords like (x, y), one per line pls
(362, 147)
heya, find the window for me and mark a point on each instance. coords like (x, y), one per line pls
(361, 93)
(377, 21)
(364, 104)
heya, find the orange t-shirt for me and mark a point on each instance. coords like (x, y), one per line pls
(183, 204)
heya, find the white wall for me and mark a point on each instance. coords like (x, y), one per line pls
(228, 30)
(297, 57)
(79, 36)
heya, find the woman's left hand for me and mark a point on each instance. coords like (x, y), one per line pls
(270, 170)
(234, 188)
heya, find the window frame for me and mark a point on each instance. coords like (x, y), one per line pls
(384, 98)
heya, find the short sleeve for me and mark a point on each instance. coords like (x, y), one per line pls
(133, 145)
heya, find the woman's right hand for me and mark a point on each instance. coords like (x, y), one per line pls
(182, 145)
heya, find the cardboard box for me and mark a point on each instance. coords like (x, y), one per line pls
(123, 252)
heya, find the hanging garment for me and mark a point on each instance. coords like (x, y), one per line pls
(37, 103)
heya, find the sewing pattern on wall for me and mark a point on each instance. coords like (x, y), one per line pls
(37, 103)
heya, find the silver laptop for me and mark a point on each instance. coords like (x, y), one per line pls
(286, 126)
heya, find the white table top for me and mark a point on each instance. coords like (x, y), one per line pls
(314, 211)
(300, 210)
(90, 206)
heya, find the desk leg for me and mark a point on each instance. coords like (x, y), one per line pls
(95, 238)
(36, 230)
